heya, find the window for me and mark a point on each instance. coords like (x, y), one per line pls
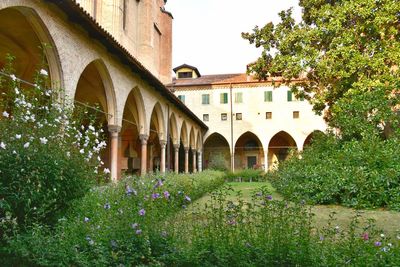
(185, 74)
(296, 114)
(268, 115)
(289, 96)
(205, 99)
(224, 116)
(268, 96)
(238, 116)
(239, 97)
(181, 98)
(224, 98)
(206, 117)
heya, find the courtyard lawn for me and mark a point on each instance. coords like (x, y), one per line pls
(388, 221)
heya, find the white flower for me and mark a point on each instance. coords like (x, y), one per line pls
(91, 128)
(26, 145)
(382, 235)
(106, 170)
(5, 114)
(12, 76)
(68, 154)
(2, 145)
(82, 151)
(14, 152)
(16, 90)
(44, 72)
(43, 140)
(18, 136)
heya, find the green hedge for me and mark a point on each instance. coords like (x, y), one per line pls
(246, 175)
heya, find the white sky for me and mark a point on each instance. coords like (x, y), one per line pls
(207, 33)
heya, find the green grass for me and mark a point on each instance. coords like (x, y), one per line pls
(388, 221)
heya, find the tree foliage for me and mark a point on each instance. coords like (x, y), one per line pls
(343, 57)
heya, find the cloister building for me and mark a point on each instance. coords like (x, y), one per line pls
(251, 123)
(114, 54)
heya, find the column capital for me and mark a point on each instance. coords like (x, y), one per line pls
(143, 138)
(194, 150)
(114, 128)
(163, 143)
(186, 149)
(177, 146)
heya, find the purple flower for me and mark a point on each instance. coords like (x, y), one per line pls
(269, 197)
(321, 238)
(142, 212)
(378, 244)
(138, 231)
(187, 198)
(259, 194)
(232, 222)
(183, 206)
(107, 206)
(158, 184)
(155, 195)
(166, 194)
(134, 225)
(130, 191)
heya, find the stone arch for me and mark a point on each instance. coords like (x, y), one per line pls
(22, 32)
(95, 87)
(192, 139)
(199, 143)
(157, 118)
(279, 147)
(310, 137)
(173, 128)
(134, 104)
(249, 152)
(184, 134)
(216, 152)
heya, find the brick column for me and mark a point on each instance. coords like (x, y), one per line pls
(186, 159)
(194, 152)
(114, 140)
(143, 161)
(176, 163)
(162, 163)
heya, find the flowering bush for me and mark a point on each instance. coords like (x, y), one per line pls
(47, 159)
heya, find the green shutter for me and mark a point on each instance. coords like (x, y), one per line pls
(205, 99)
(225, 98)
(289, 96)
(268, 96)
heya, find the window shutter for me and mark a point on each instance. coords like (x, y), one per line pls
(225, 98)
(289, 96)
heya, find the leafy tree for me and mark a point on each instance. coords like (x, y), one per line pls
(343, 57)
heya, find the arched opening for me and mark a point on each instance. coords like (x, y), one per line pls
(184, 143)
(279, 148)
(216, 152)
(156, 131)
(249, 152)
(173, 139)
(24, 36)
(91, 94)
(308, 141)
(130, 132)
(192, 142)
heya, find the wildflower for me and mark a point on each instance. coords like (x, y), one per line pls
(155, 195)
(18, 136)
(365, 236)
(106, 170)
(385, 249)
(183, 206)
(134, 225)
(130, 191)
(6, 114)
(378, 244)
(86, 219)
(43, 140)
(382, 235)
(321, 238)
(107, 206)
(91, 128)
(164, 233)
(12, 76)
(232, 222)
(43, 72)
(142, 212)
(91, 242)
(26, 145)
(158, 184)
(2, 145)
(138, 231)
(114, 244)
(247, 244)
(82, 151)
(269, 197)
(166, 194)
(259, 194)
(187, 198)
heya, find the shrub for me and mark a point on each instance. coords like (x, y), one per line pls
(125, 223)
(217, 162)
(361, 174)
(47, 159)
(246, 175)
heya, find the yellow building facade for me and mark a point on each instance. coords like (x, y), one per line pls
(252, 124)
